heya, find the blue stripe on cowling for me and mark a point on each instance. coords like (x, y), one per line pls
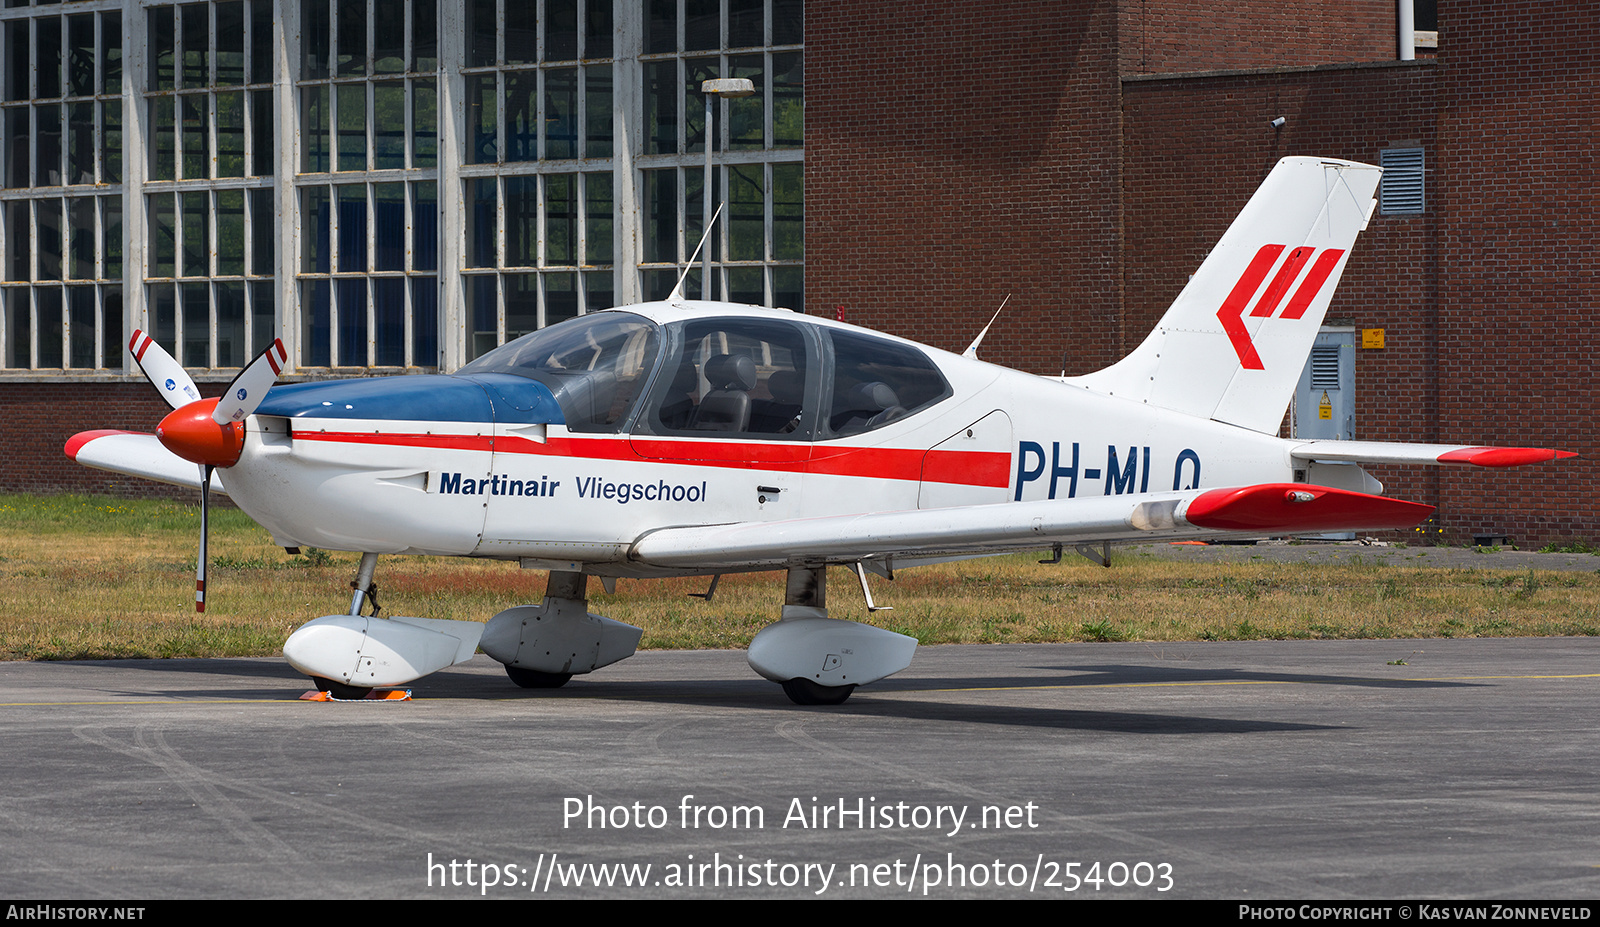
(426, 397)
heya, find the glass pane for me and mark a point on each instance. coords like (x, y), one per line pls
(696, 72)
(481, 222)
(80, 57)
(164, 164)
(111, 230)
(560, 29)
(80, 145)
(598, 219)
(164, 313)
(230, 134)
(424, 124)
(81, 237)
(522, 115)
(597, 104)
(661, 26)
(261, 42)
(561, 113)
(164, 237)
(425, 227)
(111, 142)
(196, 135)
(788, 212)
(19, 341)
(263, 321)
(230, 47)
(17, 70)
(388, 126)
(232, 345)
(485, 314)
(561, 219)
(747, 116)
(316, 246)
(314, 324)
(522, 37)
(746, 213)
(481, 120)
(661, 107)
(352, 229)
(560, 298)
(788, 100)
(196, 308)
(599, 291)
(389, 36)
(352, 55)
(352, 322)
(47, 145)
(314, 134)
(425, 321)
(47, 240)
(788, 22)
(389, 317)
(389, 226)
(17, 148)
(597, 29)
(19, 258)
(352, 127)
(522, 304)
(745, 23)
(480, 34)
(316, 25)
(263, 154)
(111, 337)
(111, 60)
(163, 49)
(424, 41)
(47, 304)
(522, 221)
(788, 288)
(702, 24)
(745, 285)
(263, 232)
(196, 237)
(196, 44)
(661, 219)
(47, 61)
(230, 234)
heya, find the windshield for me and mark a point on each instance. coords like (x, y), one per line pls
(594, 365)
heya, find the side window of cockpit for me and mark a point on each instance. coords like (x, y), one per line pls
(732, 377)
(876, 382)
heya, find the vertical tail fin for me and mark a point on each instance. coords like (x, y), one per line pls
(1232, 345)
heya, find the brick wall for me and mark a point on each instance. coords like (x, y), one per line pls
(1174, 36)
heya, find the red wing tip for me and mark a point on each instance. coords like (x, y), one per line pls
(77, 441)
(1294, 507)
(1502, 456)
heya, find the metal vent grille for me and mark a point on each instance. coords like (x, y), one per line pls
(1325, 366)
(1401, 191)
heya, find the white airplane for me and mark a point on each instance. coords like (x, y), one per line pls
(700, 438)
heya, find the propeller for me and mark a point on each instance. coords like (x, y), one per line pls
(209, 432)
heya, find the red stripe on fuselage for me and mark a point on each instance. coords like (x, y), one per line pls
(970, 468)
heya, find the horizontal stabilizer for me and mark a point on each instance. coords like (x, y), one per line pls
(1251, 511)
(136, 454)
(1383, 452)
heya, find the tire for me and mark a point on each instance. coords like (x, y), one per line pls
(803, 691)
(341, 691)
(534, 679)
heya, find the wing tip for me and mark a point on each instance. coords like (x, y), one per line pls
(1296, 507)
(1502, 456)
(76, 443)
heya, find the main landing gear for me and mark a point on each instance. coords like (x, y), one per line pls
(547, 644)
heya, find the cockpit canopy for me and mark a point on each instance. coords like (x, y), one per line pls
(724, 376)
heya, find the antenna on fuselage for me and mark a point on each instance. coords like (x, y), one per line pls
(972, 349)
(677, 291)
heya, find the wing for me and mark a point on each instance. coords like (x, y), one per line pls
(1383, 452)
(1249, 511)
(137, 454)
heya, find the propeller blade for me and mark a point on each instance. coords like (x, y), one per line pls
(205, 529)
(251, 385)
(164, 373)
